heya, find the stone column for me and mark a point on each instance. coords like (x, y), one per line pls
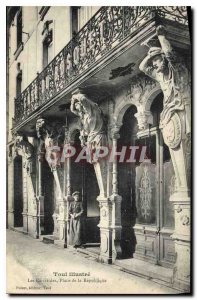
(50, 134)
(110, 220)
(62, 214)
(116, 200)
(64, 204)
(179, 145)
(25, 197)
(58, 200)
(40, 197)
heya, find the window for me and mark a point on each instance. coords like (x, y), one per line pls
(18, 84)
(74, 20)
(19, 28)
(45, 54)
(47, 42)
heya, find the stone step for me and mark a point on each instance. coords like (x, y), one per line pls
(48, 239)
(18, 229)
(91, 251)
(146, 269)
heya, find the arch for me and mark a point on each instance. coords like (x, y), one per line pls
(120, 111)
(149, 97)
(73, 129)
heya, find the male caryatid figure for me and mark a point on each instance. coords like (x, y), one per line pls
(165, 66)
(92, 132)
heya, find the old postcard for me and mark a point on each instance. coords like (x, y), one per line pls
(98, 149)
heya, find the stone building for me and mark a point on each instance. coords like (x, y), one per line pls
(128, 68)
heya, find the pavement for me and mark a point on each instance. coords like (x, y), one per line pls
(34, 267)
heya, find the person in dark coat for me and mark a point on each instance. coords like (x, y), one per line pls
(76, 214)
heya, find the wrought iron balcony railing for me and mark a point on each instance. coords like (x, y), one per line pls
(105, 30)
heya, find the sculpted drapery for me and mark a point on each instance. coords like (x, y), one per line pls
(92, 132)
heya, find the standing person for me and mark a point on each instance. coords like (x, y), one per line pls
(76, 214)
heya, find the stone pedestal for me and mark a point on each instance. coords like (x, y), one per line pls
(116, 226)
(25, 222)
(63, 223)
(35, 218)
(40, 215)
(106, 231)
(56, 225)
(181, 237)
(179, 143)
(10, 218)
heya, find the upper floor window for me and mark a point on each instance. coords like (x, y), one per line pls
(18, 84)
(18, 80)
(19, 26)
(47, 42)
(74, 20)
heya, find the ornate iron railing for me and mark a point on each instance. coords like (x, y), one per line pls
(108, 27)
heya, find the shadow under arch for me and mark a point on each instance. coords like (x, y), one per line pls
(126, 180)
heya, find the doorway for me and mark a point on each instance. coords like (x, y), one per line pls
(154, 183)
(83, 179)
(126, 183)
(18, 192)
(48, 192)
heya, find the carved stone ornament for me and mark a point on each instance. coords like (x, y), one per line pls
(173, 185)
(145, 193)
(139, 94)
(172, 132)
(104, 243)
(185, 220)
(25, 149)
(52, 136)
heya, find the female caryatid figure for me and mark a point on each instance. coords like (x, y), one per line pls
(92, 132)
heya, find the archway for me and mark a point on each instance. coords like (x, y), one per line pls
(18, 191)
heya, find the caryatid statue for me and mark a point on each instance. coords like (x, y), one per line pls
(22, 143)
(92, 132)
(165, 66)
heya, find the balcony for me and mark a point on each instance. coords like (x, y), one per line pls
(107, 30)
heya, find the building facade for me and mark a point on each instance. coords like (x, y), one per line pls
(129, 71)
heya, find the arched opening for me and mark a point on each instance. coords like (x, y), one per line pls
(18, 191)
(126, 183)
(156, 109)
(83, 180)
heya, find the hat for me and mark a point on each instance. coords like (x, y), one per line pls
(154, 51)
(75, 193)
